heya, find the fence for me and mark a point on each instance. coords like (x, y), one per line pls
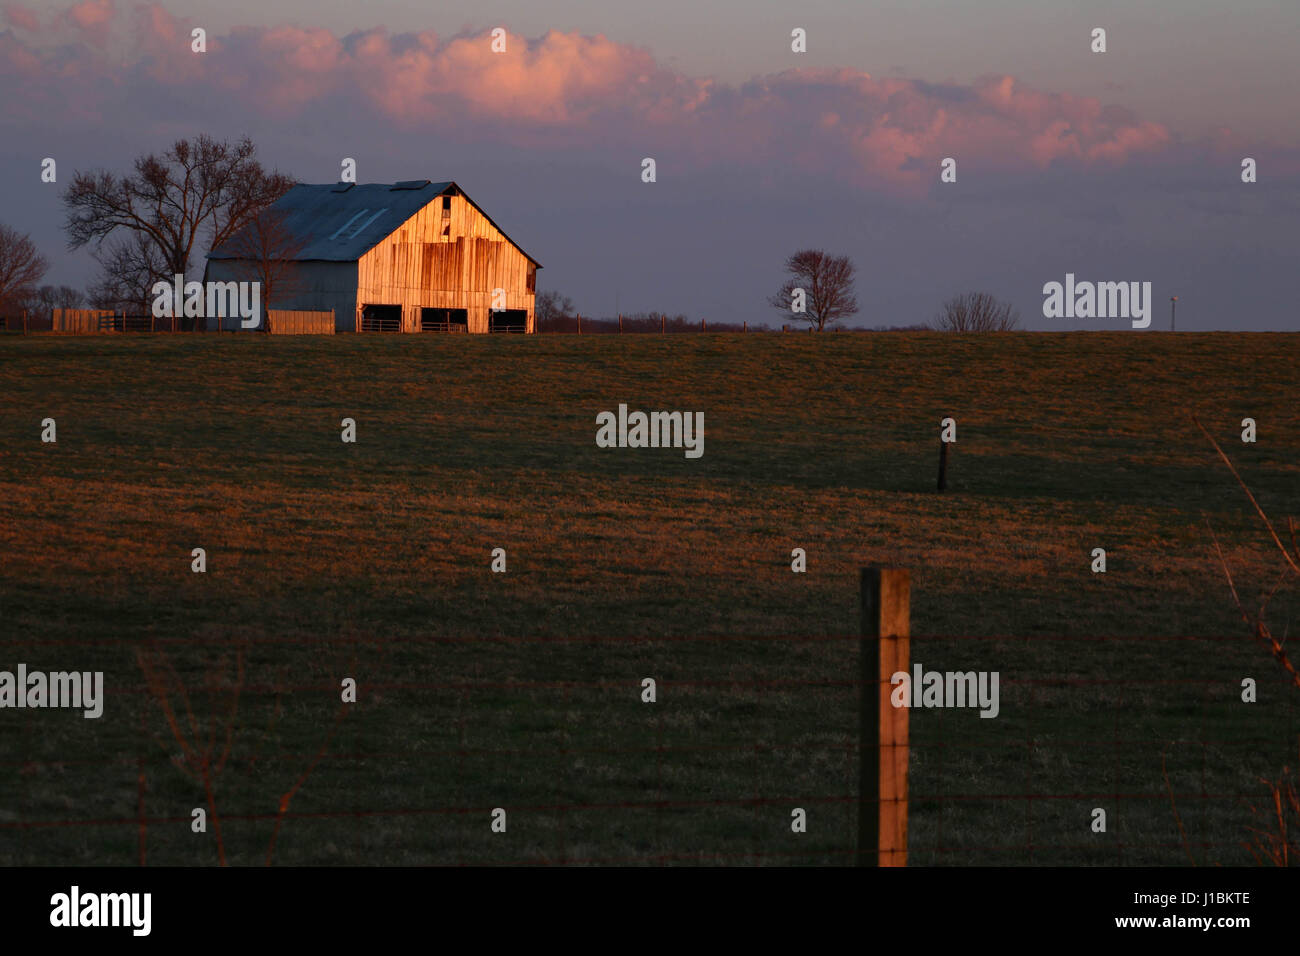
(743, 732)
(85, 320)
(663, 324)
(307, 322)
(1145, 755)
(642, 323)
(94, 321)
(298, 322)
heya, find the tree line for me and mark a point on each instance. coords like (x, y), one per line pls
(817, 295)
(153, 222)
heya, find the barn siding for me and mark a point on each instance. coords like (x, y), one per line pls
(419, 268)
(315, 286)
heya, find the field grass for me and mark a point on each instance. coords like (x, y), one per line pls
(522, 690)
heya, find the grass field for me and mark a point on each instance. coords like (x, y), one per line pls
(521, 690)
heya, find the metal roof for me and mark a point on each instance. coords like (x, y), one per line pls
(341, 222)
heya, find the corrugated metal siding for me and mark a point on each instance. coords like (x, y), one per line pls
(316, 287)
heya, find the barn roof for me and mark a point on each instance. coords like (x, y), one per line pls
(341, 222)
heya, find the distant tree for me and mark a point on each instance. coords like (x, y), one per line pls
(128, 269)
(21, 267)
(657, 321)
(267, 250)
(551, 307)
(158, 215)
(976, 312)
(827, 284)
(49, 297)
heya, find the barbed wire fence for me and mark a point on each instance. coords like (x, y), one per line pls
(745, 750)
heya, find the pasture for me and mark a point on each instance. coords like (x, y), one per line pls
(522, 690)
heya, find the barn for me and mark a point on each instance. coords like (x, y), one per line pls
(414, 256)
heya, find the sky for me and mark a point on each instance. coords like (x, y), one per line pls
(1115, 166)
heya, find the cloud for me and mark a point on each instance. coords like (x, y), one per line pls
(573, 91)
(92, 17)
(20, 18)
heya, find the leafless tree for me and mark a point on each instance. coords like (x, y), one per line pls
(976, 312)
(49, 297)
(551, 305)
(827, 283)
(128, 269)
(21, 267)
(165, 207)
(267, 250)
(550, 308)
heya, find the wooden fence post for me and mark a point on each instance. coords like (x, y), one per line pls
(883, 751)
(25, 322)
(579, 323)
(745, 326)
(663, 323)
(620, 323)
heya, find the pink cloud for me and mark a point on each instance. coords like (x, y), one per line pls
(572, 90)
(92, 17)
(21, 18)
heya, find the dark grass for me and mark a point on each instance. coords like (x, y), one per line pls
(329, 560)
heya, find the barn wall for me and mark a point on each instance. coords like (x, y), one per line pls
(417, 267)
(310, 286)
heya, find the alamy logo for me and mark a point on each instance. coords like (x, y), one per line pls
(924, 688)
(196, 300)
(1098, 300)
(651, 430)
(102, 909)
(79, 690)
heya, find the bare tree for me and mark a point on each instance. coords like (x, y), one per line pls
(21, 267)
(549, 308)
(267, 250)
(976, 312)
(49, 297)
(128, 269)
(164, 208)
(826, 282)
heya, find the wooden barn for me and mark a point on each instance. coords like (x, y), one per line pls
(415, 256)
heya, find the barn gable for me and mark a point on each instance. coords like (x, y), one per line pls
(446, 259)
